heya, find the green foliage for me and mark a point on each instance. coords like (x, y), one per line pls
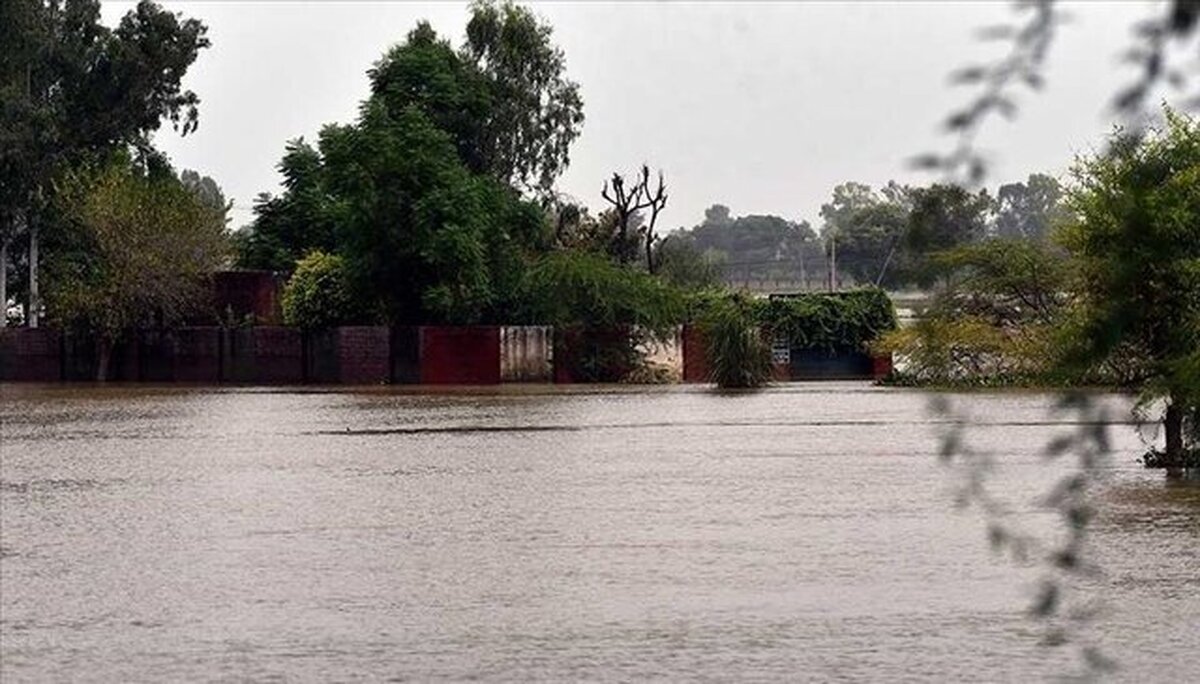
(738, 354)
(1029, 210)
(302, 220)
(1007, 282)
(575, 288)
(318, 294)
(148, 247)
(943, 217)
(535, 112)
(73, 90)
(1137, 239)
(606, 314)
(998, 321)
(867, 227)
(420, 195)
(965, 350)
(756, 246)
(840, 321)
(683, 265)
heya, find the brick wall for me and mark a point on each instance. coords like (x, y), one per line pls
(30, 355)
(695, 355)
(363, 355)
(278, 354)
(198, 355)
(468, 355)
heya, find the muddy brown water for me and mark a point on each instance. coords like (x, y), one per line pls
(538, 533)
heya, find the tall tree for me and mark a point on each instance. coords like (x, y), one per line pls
(1137, 237)
(535, 111)
(863, 231)
(73, 90)
(943, 217)
(1030, 209)
(629, 202)
(150, 246)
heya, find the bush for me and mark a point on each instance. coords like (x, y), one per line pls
(605, 314)
(318, 295)
(831, 322)
(738, 355)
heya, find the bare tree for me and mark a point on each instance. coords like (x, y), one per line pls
(627, 201)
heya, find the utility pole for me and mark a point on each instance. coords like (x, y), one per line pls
(34, 301)
(833, 262)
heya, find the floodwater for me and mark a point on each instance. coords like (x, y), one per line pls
(532, 533)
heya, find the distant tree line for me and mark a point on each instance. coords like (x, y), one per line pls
(887, 236)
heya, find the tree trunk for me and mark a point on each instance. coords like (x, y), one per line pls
(1173, 426)
(34, 301)
(4, 282)
(103, 358)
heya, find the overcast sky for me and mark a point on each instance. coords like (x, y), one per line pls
(762, 107)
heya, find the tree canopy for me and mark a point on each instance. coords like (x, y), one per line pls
(1137, 240)
(422, 194)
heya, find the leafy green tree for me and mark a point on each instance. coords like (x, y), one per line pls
(318, 294)
(73, 91)
(150, 246)
(943, 217)
(612, 310)
(301, 220)
(431, 230)
(1137, 238)
(1029, 210)
(758, 246)
(206, 190)
(863, 232)
(864, 229)
(536, 112)
(683, 265)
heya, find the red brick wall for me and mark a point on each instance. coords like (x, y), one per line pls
(198, 354)
(460, 355)
(363, 355)
(278, 355)
(881, 366)
(30, 355)
(695, 355)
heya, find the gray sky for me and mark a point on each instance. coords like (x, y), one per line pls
(763, 107)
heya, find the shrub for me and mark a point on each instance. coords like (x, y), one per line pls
(738, 355)
(318, 295)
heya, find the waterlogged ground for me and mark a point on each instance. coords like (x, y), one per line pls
(803, 533)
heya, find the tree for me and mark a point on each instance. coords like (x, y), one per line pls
(683, 265)
(1137, 238)
(74, 91)
(536, 112)
(757, 245)
(613, 310)
(318, 294)
(628, 203)
(206, 190)
(942, 218)
(863, 230)
(290, 226)
(151, 245)
(1029, 210)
